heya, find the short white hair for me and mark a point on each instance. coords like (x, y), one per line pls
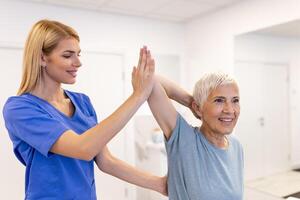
(208, 83)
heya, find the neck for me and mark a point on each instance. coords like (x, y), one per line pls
(49, 91)
(216, 139)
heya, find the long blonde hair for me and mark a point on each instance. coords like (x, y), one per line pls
(42, 39)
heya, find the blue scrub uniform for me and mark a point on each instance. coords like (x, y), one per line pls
(34, 125)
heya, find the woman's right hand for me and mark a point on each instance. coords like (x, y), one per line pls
(143, 75)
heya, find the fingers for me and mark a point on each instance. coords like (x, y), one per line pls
(146, 64)
(133, 71)
(149, 65)
(150, 68)
(142, 59)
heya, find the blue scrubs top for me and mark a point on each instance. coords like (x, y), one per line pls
(34, 125)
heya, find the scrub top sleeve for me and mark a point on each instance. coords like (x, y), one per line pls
(32, 125)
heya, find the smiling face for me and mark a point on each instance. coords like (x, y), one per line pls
(63, 62)
(220, 112)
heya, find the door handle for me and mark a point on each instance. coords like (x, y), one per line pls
(261, 121)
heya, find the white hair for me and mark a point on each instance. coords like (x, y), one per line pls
(208, 83)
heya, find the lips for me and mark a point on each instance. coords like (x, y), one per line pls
(72, 72)
(226, 119)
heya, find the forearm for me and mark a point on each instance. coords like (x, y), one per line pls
(133, 175)
(94, 139)
(175, 92)
(118, 168)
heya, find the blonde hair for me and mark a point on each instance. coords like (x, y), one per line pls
(42, 39)
(208, 83)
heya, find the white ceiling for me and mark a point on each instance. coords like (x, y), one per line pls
(290, 29)
(170, 10)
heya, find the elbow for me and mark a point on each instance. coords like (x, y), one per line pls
(105, 162)
(106, 165)
(87, 153)
(86, 157)
(89, 150)
(103, 166)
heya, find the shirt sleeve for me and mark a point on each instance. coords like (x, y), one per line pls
(182, 136)
(31, 124)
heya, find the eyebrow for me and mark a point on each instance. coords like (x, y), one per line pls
(222, 97)
(70, 51)
(219, 97)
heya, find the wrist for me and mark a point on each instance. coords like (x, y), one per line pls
(189, 101)
(138, 97)
(156, 184)
(159, 185)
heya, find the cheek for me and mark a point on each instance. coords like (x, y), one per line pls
(215, 111)
(237, 111)
(59, 62)
(212, 113)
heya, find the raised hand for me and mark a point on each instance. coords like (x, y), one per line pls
(143, 75)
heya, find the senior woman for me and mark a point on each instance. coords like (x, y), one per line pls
(206, 162)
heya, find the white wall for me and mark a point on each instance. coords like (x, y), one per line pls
(99, 32)
(210, 39)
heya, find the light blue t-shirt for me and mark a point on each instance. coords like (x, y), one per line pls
(197, 170)
(34, 125)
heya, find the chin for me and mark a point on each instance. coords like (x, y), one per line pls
(69, 82)
(226, 132)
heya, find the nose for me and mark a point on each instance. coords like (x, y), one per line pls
(228, 108)
(77, 62)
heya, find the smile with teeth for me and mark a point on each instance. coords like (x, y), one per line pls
(226, 119)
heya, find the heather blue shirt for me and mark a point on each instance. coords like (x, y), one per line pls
(34, 125)
(197, 170)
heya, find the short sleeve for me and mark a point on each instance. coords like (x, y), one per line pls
(31, 124)
(182, 135)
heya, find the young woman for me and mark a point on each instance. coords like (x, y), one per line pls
(55, 132)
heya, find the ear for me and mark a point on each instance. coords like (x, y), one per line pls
(43, 60)
(196, 110)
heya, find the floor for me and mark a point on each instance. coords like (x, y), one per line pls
(253, 194)
(278, 185)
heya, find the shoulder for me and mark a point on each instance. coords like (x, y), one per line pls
(235, 142)
(18, 102)
(182, 129)
(16, 106)
(182, 123)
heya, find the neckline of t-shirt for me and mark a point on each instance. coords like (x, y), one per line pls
(212, 145)
(58, 111)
